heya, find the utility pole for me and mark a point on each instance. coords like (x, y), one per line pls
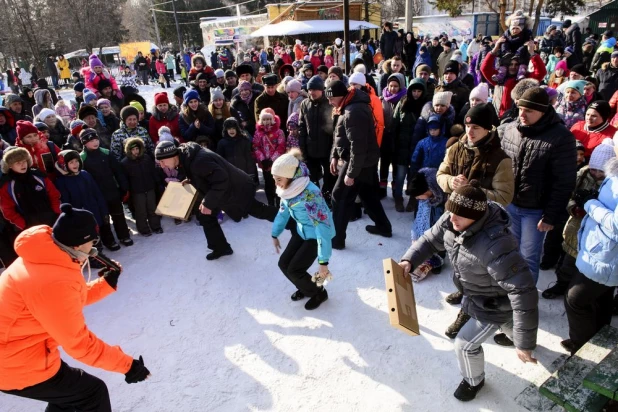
(409, 14)
(346, 34)
(156, 26)
(177, 26)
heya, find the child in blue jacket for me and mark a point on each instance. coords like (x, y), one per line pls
(430, 151)
(303, 201)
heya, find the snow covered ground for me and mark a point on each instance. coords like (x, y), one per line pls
(225, 336)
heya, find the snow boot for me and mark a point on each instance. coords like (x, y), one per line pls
(113, 246)
(158, 231)
(315, 301)
(569, 346)
(217, 254)
(298, 295)
(503, 340)
(399, 204)
(127, 242)
(337, 244)
(454, 298)
(357, 213)
(375, 230)
(559, 289)
(466, 392)
(411, 206)
(456, 326)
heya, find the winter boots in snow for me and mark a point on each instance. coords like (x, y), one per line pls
(217, 254)
(298, 295)
(317, 300)
(399, 204)
(456, 326)
(376, 230)
(503, 340)
(559, 289)
(454, 298)
(466, 392)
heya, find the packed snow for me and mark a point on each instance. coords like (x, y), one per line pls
(225, 336)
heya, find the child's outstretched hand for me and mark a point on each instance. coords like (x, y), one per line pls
(277, 245)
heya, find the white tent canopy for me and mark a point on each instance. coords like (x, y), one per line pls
(292, 27)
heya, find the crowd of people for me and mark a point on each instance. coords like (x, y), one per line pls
(505, 149)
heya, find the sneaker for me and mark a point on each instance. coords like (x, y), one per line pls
(298, 295)
(455, 327)
(503, 340)
(113, 247)
(375, 230)
(216, 255)
(399, 205)
(454, 298)
(127, 242)
(315, 301)
(466, 392)
(158, 231)
(569, 346)
(559, 289)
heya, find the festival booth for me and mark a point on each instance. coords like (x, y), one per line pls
(292, 29)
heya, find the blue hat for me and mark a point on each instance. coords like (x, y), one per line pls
(75, 227)
(315, 83)
(190, 95)
(433, 120)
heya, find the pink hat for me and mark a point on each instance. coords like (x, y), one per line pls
(562, 64)
(293, 86)
(480, 92)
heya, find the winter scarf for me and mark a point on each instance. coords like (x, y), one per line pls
(394, 98)
(248, 99)
(295, 188)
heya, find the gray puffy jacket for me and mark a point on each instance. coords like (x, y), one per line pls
(488, 269)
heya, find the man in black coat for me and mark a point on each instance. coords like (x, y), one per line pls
(435, 50)
(141, 66)
(273, 99)
(387, 41)
(356, 148)
(224, 186)
(50, 64)
(573, 36)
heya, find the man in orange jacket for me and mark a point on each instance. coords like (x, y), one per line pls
(42, 295)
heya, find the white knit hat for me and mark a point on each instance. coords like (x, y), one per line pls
(165, 134)
(357, 78)
(360, 68)
(285, 166)
(443, 98)
(601, 154)
(46, 113)
(480, 92)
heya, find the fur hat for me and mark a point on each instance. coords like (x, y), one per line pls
(357, 78)
(128, 111)
(601, 154)
(86, 110)
(103, 83)
(94, 61)
(25, 128)
(468, 201)
(13, 155)
(165, 134)
(286, 164)
(480, 92)
(443, 98)
(521, 87)
(244, 69)
(293, 86)
(133, 142)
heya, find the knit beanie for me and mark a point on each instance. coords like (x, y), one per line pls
(551, 93)
(480, 92)
(360, 68)
(180, 91)
(191, 95)
(88, 97)
(216, 94)
(601, 154)
(219, 73)
(562, 64)
(75, 227)
(468, 201)
(293, 120)
(41, 127)
(137, 105)
(357, 78)
(422, 68)
(569, 49)
(10, 98)
(579, 146)
(103, 83)
(25, 128)
(323, 69)
(76, 127)
(79, 87)
(580, 69)
(315, 83)
(165, 150)
(337, 71)
(481, 115)
(230, 73)
(285, 166)
(103, 102)
(602, 107)
(45, 113)
(160, 98)
(244, 85)
(294, 86)
(86, 135)
(452, 67)
(165, 134)
(443, 98)
(94, 61)
(534, 99)
(13, 155)
(518, 19)
(128, 111)
(336, 89)
(577, 85)
(457, 57)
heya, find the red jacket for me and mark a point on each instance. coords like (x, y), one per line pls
(93, 79)
(161, 67)
(42, 297)
(38, 151)
(488, 69)
(169, 119)
(589, 139)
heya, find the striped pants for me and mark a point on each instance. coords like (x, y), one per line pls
(469, 351)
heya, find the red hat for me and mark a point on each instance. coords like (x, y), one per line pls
(24, 128)
(161, 98)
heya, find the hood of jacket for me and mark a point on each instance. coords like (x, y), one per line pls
(39, 96)
(611, 167)
(572, 28)
(432, 182)
(428, 111)
(132, 142)
(171, 113)
(10, 120)
(36, 245)
(272, 129)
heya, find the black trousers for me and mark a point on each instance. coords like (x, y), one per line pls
(145, 204)
(319, 168)
(566, 269)
(296, 259)
(366, 186)
(269, 188)
(588, 306)
(116, 213)
(386, 158)
(552, 246)
(143, 75)
(69, 390)
(215, 237)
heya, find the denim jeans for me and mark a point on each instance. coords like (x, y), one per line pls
(401, 172)
(524, 227)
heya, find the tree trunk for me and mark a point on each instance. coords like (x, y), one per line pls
(503, 5)
(537, 16)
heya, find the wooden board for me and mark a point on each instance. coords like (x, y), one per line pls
(177, 201)
(565, 386)
(603, 378)
(401, 302)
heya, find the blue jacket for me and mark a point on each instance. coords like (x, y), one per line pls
(313, 219)
(82, 192)
(429, 152)
(598, 235)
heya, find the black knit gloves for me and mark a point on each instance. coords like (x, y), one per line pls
(138, 371)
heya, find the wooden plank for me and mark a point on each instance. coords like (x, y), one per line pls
(531, 399)
(603, 378)
(565, 386)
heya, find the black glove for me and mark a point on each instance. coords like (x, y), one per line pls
(110, 276)
(581, 196)
(138, 371)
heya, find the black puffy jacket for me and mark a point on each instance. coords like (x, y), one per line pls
(544, 164)
(107, 172)
(316, 128)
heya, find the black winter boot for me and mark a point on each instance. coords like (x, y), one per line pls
(456, 326)
(454, 298)
(217, 254)
(503, 340)
(399, 204)
(298, 295)
(315, 301)
(559, 289)
(376, 230)
(465, 392)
